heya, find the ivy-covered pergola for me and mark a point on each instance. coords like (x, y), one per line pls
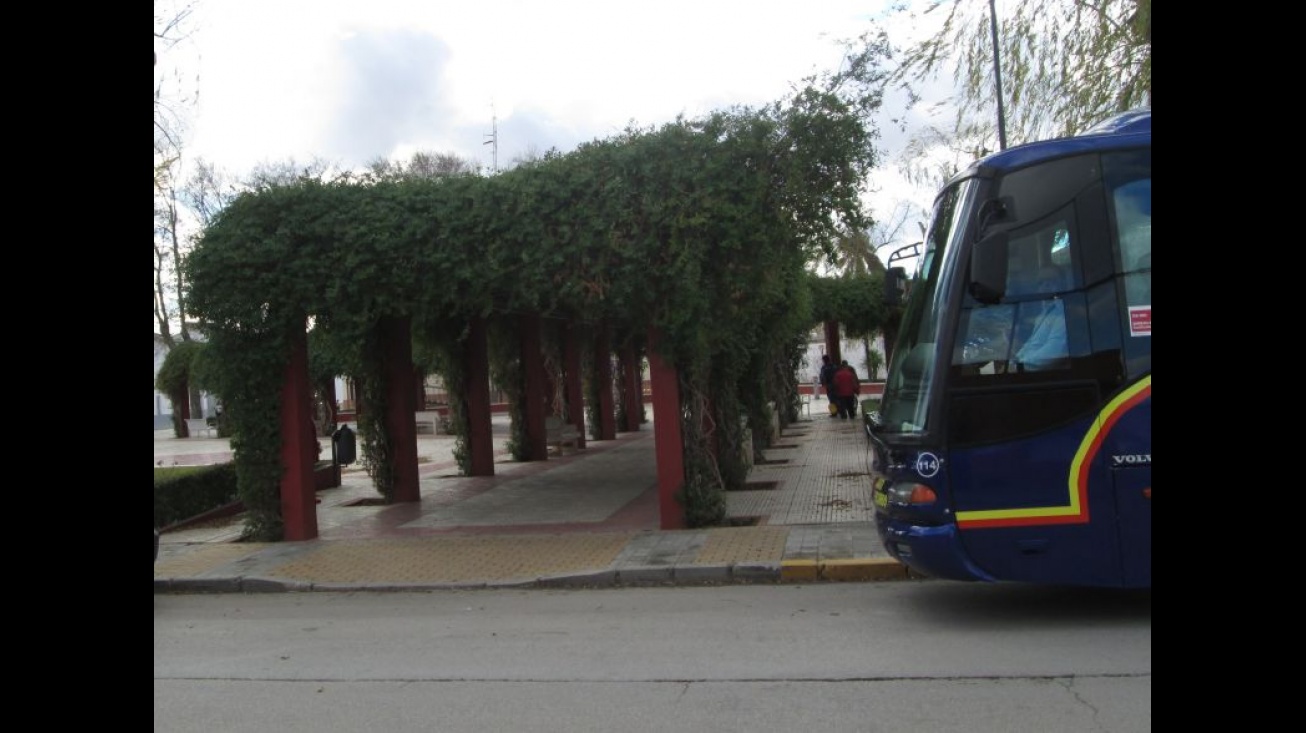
(689, 244)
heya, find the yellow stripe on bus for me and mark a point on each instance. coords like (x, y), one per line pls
(1075, 510)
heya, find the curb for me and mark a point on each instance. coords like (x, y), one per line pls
(787, 571)
(843, 570)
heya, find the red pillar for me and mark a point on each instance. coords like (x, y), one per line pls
(396, 343)
(476, 401)
(532, 363)
(631, 387)
(603, 377)
(298, 446)
(832, 342)
(571, 367)
(669, 446)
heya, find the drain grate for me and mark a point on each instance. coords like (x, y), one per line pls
(770, 461)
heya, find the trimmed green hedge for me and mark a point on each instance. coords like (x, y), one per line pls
(190, 493)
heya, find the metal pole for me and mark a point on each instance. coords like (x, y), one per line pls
(997, 78)
(493, 138)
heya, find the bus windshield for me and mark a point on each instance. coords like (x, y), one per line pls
(905, 405)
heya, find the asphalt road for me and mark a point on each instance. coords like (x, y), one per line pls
(933, 655)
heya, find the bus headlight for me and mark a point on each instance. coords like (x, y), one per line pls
(909, 494)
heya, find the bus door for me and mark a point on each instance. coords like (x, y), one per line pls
(1128, 177)
(1028, 478)
(1131, 472)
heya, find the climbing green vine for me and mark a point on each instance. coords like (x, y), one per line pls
(700, 231)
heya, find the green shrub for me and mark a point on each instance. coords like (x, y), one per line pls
(185, 492)
(171, 473)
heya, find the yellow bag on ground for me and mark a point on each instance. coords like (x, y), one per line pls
(834, 409)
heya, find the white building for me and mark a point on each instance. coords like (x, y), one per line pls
(851, 350)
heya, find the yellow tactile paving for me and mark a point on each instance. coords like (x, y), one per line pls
(453, 559)
(730, 545)
(199, 559)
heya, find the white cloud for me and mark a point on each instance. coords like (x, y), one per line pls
(351, 81)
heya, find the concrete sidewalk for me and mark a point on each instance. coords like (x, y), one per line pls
(585, 518)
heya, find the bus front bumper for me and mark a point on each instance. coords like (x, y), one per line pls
(933, 551)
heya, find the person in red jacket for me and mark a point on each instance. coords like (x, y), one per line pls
(846, 386)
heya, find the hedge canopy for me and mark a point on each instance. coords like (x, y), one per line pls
(703, 230)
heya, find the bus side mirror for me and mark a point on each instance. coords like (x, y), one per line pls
(988, 269)
(895, 285)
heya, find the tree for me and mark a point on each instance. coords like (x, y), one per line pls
(427, 164)
(170, 95)
(170, 101)
(168, 238)
(421, 164)
(1065, 64)
(181, 212)
(854, 256)
(207, 192)
(873, 363)
(288, 172)
(933, 154)
(169, 30)
(530, 155)
(179, 376)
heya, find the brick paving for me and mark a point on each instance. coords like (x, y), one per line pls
(588, 517)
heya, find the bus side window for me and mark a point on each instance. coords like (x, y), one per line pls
(1144, 270)
(1040, 269)
(1133, 218)
(984, 339)
(1128, 178)
(1136, 252)
(1036, 256)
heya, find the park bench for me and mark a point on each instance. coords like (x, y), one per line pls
(195, 426)
(430, 421)
(559, 433)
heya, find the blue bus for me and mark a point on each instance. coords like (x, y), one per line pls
(1013, 441)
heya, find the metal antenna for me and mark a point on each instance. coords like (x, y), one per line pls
(493, 140)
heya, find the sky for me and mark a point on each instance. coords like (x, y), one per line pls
(350, 82)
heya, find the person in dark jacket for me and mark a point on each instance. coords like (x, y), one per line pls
(827, 371)
(846, 386)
